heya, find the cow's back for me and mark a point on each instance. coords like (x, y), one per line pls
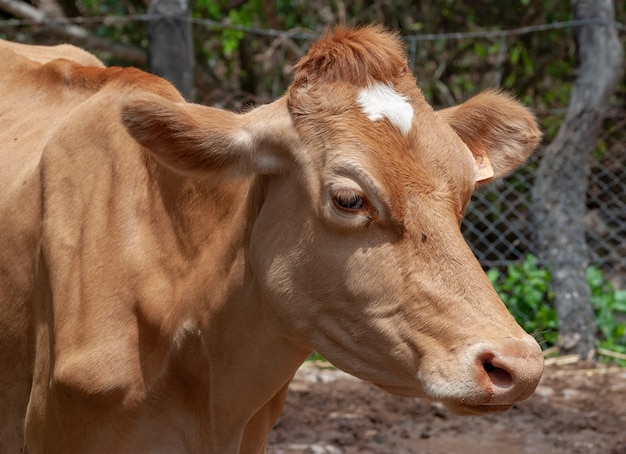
(44, 54)
(26, 122)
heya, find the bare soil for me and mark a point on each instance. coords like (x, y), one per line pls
(576, 409)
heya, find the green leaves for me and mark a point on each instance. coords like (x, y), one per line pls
(525, 289)
(610, 309)
(244, 14)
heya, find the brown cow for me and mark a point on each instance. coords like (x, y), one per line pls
(165, 267)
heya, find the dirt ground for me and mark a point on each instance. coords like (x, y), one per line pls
(576, 409)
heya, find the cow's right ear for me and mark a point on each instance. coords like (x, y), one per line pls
(195, 139)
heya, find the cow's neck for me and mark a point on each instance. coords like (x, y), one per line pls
(252, 364)
(247, 359)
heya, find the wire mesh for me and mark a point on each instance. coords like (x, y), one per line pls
(499, 227)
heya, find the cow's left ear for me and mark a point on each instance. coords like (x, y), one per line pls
(494, 125)
(195, 139)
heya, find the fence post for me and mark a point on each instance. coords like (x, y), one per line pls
(170, 44)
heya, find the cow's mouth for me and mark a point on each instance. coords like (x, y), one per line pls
(475, 410)
(455, 407)
(402, 391)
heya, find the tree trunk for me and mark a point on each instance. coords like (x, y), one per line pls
(562, 178)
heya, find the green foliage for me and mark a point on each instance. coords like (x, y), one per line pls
(320, 361)
(610, 309)
(537, 67)
(525, 289)
(219, 9)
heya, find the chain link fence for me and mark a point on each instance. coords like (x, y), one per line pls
(499, 225)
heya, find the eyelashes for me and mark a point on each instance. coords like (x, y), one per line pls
(349, 200)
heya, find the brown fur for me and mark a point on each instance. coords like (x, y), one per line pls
(354, 56)
(45, 54)
(480, 124)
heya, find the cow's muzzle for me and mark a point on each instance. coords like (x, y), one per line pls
(501, 373)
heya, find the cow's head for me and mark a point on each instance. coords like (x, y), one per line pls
(356, 245)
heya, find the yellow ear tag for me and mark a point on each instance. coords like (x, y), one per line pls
(483, 169)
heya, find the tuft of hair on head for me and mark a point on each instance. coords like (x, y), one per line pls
(359, 56)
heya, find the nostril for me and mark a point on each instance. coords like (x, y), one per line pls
(498, 376)
(507, 371)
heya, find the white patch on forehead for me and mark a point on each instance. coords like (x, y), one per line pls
(383, 101)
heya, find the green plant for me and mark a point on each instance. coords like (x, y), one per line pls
(218, 10)
(525, 289)
(610, 309)
(320, 361)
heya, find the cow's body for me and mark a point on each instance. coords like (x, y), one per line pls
(159, 297)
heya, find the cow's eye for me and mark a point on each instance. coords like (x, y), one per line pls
(348, 205)
(349, 200)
